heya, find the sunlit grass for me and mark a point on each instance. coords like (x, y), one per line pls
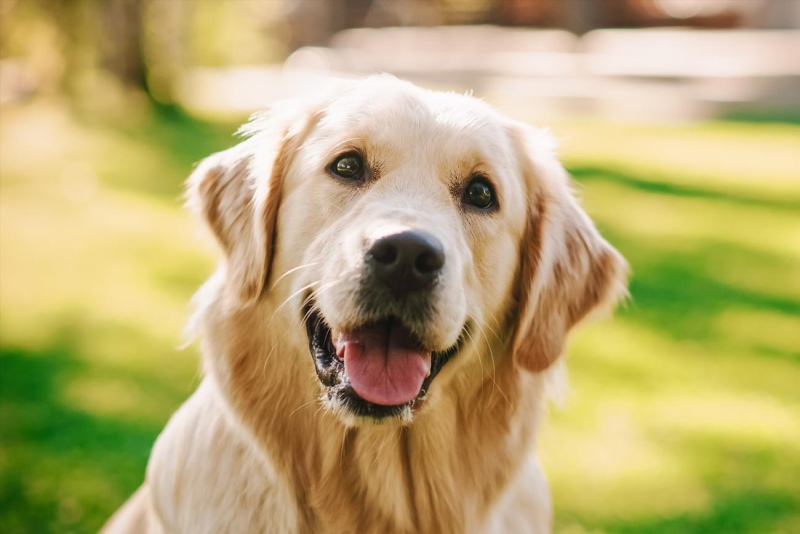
(97, 265)
(753, 162)
(690, 220)
(684, 412)
(753, 330)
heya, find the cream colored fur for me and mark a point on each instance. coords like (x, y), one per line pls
(255, 449)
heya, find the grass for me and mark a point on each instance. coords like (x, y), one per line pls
(684, 414)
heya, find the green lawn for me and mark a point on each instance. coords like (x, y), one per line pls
(684, 414)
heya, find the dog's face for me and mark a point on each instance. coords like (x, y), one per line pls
(414, 212)
(407, 233)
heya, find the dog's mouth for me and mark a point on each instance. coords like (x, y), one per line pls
(379, 370)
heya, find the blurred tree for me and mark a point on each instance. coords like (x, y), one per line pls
(165, 40)
(120, 36)
(101, 37)
(102, 52)
(582, 16)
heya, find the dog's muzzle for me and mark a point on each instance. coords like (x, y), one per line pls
(382, 368)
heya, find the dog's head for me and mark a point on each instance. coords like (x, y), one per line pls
(403, 234)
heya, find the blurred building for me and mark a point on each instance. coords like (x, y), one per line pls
(638, 60)
(629, 59)
(313, 22)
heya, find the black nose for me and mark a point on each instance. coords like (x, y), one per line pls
(406, 262)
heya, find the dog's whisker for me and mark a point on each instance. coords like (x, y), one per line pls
(398, 438)
(266, 361)
(341, 452)
(326, 286)
(380, 450)
(310, 306)
(494, 364)
(481, 329)
(482, 366)
(493, 331)
(496, 385)
(493, 377)
(312, 401)
(309, 312)
(483, 371)
(289, 299)
(369, 453)
(482, 332)
(322, 409)
(293, 270)
(310, 299)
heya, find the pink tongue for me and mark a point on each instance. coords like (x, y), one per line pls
(383, 364)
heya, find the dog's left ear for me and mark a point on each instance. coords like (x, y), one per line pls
(237, 193)
(567, 269)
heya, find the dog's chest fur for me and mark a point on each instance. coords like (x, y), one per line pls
(442, 474)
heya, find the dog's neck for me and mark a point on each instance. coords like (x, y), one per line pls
(441, 473)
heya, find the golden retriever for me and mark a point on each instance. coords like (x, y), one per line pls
(401, 269)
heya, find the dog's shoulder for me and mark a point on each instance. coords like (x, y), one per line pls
(206, 476)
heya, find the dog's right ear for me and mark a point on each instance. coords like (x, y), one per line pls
(237, 194)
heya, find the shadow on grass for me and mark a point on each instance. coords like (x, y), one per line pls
(673, 292)
(64, 470)
(680, 287)
(746, 512)
(592, 173)
(764, 117)
(750, 486)
(175, 142)
(186, 138)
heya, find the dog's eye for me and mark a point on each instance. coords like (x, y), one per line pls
(349, 167)
(479, 193)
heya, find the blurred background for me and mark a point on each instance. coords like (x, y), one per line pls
(679, 119)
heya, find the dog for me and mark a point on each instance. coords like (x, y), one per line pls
(401, 270)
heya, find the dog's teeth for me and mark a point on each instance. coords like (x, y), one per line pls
(336, 339)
